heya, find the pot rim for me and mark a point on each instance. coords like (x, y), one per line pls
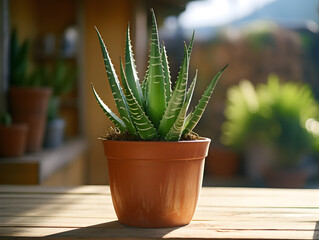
(201, 139)
(156, 150)
(43, 90)
(31, 87)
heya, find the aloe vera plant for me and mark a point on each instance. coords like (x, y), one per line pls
(152, 110)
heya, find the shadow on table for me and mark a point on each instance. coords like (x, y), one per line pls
(316, 231)
(114, 229)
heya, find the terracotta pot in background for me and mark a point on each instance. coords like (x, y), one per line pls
(222, 163)
(13, 140)
(155, 184)
(29, 105)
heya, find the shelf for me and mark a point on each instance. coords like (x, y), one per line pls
(36, 168)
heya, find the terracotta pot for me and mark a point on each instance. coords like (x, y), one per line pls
(13, 140)
(155, 184)
(222, 163)
(29, 105)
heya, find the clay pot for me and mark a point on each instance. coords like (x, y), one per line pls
(29, 105)
(13, 140)
(155, 184)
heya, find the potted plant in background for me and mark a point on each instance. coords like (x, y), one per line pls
(60, 79)
(268, 124)
(13, 137)
(155, 162)
(28, 100)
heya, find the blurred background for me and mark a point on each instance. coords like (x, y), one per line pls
(262, 119)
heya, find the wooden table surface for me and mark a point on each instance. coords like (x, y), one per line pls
(86, 212)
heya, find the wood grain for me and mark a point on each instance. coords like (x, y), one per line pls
(86, 212)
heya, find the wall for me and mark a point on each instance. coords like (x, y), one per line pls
(23, 17)
(111, 18)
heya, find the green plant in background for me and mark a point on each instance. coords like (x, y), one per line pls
(19, 64)
(152, 110)
(18, 60)
(61, 78)
(312, 126)
(5, 119)
(274, 114)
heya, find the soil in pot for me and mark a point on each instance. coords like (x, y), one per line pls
(155, 184)
(13, 140)
(29, 105)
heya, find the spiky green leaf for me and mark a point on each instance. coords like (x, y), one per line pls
(176, 130)
(143, 125)
(176, 102)
(116, 89)
(188, 117)
(144, 85)
(112, 116)
(200, 108)
(155, 103)
(130, 70)
(167, 75)
(190, 47)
